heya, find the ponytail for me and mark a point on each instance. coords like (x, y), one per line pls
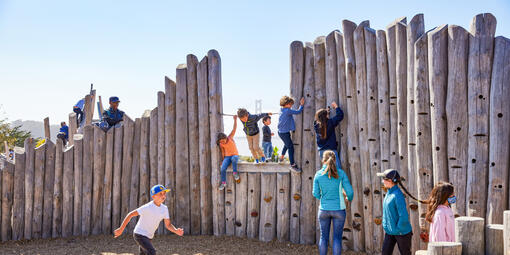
(399, 182)
(329, 159)
(321, 117)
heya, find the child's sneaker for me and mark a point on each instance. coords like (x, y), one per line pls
(281, 159)
(256, 161)
(295, 168)
(222, 186)
(263, 160)
(236, 176)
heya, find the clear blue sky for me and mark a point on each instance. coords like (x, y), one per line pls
(50, 51)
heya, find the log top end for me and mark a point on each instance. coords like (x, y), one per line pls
(320, 40)
(181, 66)
(496, 226)
(146, 114)
(19, 150)
(467, 218)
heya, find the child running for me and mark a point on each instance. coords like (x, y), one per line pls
(229, 154)
(151, 215)
(440, 214)
(251, 128)
(286, 125)
(325, 130)
(267, 146)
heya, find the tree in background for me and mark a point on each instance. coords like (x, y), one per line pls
(13, 135)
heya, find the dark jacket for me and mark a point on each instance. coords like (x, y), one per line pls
(250, 127)
(266, 134)
(329, 142)
(112, 117)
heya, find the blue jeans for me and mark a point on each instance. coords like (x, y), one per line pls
(338, 164)
(224, 165)
(325, 218)
(288, 145)
(267, 147)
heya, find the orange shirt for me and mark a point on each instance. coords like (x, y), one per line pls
(229, 148)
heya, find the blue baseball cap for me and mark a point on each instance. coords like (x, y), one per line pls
(114, 99)
(158, 188)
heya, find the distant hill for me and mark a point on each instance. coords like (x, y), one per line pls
(36, 128)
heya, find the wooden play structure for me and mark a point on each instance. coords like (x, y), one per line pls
(433, 104)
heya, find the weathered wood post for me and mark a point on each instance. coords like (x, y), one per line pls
(127, 164)
(117, 176)
(73, 127)
(29, 186)
(57, 191)
(241, 198)
(98, 179)
(440, 248)
(18, 202)
(464, 229)
(456, 113)
(424, 165)
(47, 133)
(267, 226)
(193, 138)
(182, 211)
(494, 239)
(49, 179)
(108, 183)
(296, 91)
(230, 205)
(216, 125)
(170, 144)
(352, 136)
(153, 148)
(77, 186)
(67, 192)
(282, 206)
(7, 199)
(499, 121)
(134, 179)
(144, 178)
(252, 225)
(161, 146)
(87, 111)
(204, 138)
(506, 232)
(37, 220)
(307, 220)
(401, 80)
(481, 49)
(88, 171)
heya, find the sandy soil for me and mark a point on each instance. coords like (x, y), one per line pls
(164, 244)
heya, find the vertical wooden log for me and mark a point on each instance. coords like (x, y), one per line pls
(401, 80)
(499, 121)
(73, 127)
(494, 239)
(267, 227)
(7, 199)
(252, 228)
(506, 232)
(87, 110)
(144, 177)
(241, 205)
(29, 185)
(67, 192)
(108, 183)
(182, 211)
(332, 77)
(100, 106)
(49, 179)
(77, 187)
(456, 113)
(153, 148)
(438, 66)
(18, 203)
(464, 229)
(88, 171)
(352, 136)
(194, 163)
(47, 134)
(230, 205)
(98, 179)
(161, 146)
(204, 138)
(127, 164)
(216, 125)
(170, 145)
(423, 130)
(444, 248)
(37, 221)
(92, 103)
(117, 176)
(57, 191)
(481, 48)
(134, 189)
(282, 206)
(307, 220)
(296, 91)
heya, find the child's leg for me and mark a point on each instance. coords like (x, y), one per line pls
(251, 145)
(284, 150)
(288, 145)
(256, 145)
(234, 160)
(145, 245)
(224, 166)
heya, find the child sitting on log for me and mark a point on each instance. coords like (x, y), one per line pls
(229, 154)
(440, 214)
(151, 215)
(251, 128)
(286, 125)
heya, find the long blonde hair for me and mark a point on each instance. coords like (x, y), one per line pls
(329, 159)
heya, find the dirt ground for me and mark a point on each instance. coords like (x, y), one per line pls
(164, 244)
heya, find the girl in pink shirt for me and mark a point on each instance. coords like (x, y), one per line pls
(440, 214)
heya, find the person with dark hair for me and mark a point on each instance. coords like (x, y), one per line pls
(286, 125)
(251, 129)
(229, 153)
(63, 133)
(325, 130)
(440, 214)
(112, 117)
(267, 146)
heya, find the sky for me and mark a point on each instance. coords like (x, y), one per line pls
(51, 51)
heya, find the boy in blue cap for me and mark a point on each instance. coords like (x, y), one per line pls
(151, 215)
(112, 116)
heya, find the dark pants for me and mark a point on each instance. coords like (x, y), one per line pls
(79, 115)
(288, 145)
(145, 244)
(403, 241)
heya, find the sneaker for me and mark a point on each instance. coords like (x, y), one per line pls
(236, 176)
(295, 168)
(281, 159)
(263, 160)
(222, 186)
(256, 161)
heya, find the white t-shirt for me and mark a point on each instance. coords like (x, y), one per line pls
(150, 217)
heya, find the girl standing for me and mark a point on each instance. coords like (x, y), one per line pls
(325, 130)
(286, 125)
(329, 185)
(440, 214)
(229, 153)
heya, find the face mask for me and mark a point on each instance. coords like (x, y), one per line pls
(452, 200)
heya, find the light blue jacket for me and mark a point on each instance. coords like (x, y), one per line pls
(329, 191)
(395, 216)
(286, 120)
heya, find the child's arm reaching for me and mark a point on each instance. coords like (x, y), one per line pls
(171, 228)
(234, 128)
(119, 231)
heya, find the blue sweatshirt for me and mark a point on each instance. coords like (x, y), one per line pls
(395, 216)
(286, 120)
(329, 191)
(329, 142)
(65, 130)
